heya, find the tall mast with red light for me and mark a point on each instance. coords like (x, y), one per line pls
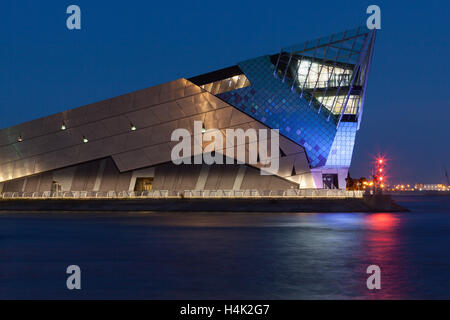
(379, 177)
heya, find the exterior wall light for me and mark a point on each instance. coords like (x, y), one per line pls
(63, 126)
(203, 128)
(19, 139)
(85, 140)
(132, 127)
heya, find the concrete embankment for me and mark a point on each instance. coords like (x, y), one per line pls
(377, 203)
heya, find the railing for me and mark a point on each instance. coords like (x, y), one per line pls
(333, 83)
(155, 194)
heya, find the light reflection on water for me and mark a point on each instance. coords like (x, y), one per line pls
(381, 247)
(226, 256)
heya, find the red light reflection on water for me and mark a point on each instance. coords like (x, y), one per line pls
(381, 247)
(382, 221)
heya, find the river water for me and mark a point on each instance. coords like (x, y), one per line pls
(229, 255)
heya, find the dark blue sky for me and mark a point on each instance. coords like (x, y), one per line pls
(129, 45)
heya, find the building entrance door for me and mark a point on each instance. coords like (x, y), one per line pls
(330, 181)
(143, 184)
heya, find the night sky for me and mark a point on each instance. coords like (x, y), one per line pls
(129, 45)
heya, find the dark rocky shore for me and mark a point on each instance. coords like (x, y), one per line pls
(376, 203)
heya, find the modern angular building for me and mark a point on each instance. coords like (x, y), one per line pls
(312, 92)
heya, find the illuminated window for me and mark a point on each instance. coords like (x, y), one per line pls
(143, 184)
(312, 75)
(336, 103)
(228, 84)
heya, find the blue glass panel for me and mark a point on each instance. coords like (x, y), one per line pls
(272, 102)
(342, 148)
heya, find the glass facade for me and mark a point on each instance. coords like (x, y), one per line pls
(336, 103)
(328, 72)
(342, 148)
(312, 92)
(312, 75)
(272, 102)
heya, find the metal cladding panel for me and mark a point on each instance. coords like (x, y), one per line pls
(158, 153)
(286, 165)
(272, 102)
(289, 147)
(124, 103)
(110, 176)
(191, 89)
(189, 177)
(131, 160)
(93, 150)
(188, 122)
(167, 111)
(9, 153)
(120, 124)
(83, 174)
(218, 119)
(110, 135)
(187, 105)
(162, 132)
(15, 185)
(141, 118)
(23, 168)
(98, 112)
(198, 104)
(32, 184)
(93, 131)
(45, 183)
(106, 125)
(123, 181)
(146, 97)
(300, 165)
(238, 117)
(94, 112)
(27, 129)
(252, 178)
